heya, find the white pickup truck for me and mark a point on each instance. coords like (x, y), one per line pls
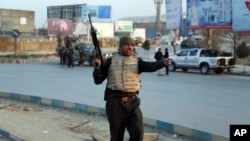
(202, 59)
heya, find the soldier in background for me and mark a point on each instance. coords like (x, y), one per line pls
(68, 41)
(70, 57)
(82, 55)
(59, 49)
(63, 55)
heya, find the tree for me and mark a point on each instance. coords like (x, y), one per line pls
(243, 52)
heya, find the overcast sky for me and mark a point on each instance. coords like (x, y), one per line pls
(120, 8)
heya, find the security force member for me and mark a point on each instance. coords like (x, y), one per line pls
(122, 72)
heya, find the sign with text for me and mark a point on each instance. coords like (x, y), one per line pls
(209, 14)
(239, 132)
(241, 14)
(98, 13)
(123, 26)
(173, 14)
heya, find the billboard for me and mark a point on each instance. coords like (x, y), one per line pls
(241, 15)
(97, 12)
(209, 14)
(80, 26)
(150, 32)
(173, 14)
(138, 32)
(186, 32)
(123, 26)
(59, 26)
(104, 30)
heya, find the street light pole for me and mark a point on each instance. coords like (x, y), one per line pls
(158, 21)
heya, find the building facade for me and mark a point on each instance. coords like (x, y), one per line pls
(22, 20)
(68, 12)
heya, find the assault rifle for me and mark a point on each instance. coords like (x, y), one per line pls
(98, 52)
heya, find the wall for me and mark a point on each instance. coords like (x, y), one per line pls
(28, 46)
(40, 45)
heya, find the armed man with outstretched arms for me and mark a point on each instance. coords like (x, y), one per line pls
(122, 72)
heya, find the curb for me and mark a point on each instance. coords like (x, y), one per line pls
(7, 134)
(173, 128)
(241, 74)
(27, 60)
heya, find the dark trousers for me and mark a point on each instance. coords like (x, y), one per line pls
(61, 59)
(166, 70)
(125, 115)
(81, 60)
(64, 57)
(70, 61)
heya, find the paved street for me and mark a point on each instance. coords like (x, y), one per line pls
(205, 102)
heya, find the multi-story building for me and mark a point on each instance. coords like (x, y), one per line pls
(68, 12)
(73, 19)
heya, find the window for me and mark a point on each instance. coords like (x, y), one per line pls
(203, 53)
(65, 12)
(183, 53)
(23, 20)
(209, 53)
(193, 53)
(213, 53)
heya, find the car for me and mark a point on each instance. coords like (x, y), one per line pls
(201, 58)
(88, 49)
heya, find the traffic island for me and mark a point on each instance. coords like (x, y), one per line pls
(62, 107)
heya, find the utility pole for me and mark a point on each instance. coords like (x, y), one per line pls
(158, 21)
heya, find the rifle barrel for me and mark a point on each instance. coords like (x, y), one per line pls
(95, 42)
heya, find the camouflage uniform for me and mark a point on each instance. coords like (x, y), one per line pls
(70, 57)
(81, 54)
(63, 55)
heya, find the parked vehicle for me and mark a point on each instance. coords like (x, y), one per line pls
(202, 59)
(88, 49)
